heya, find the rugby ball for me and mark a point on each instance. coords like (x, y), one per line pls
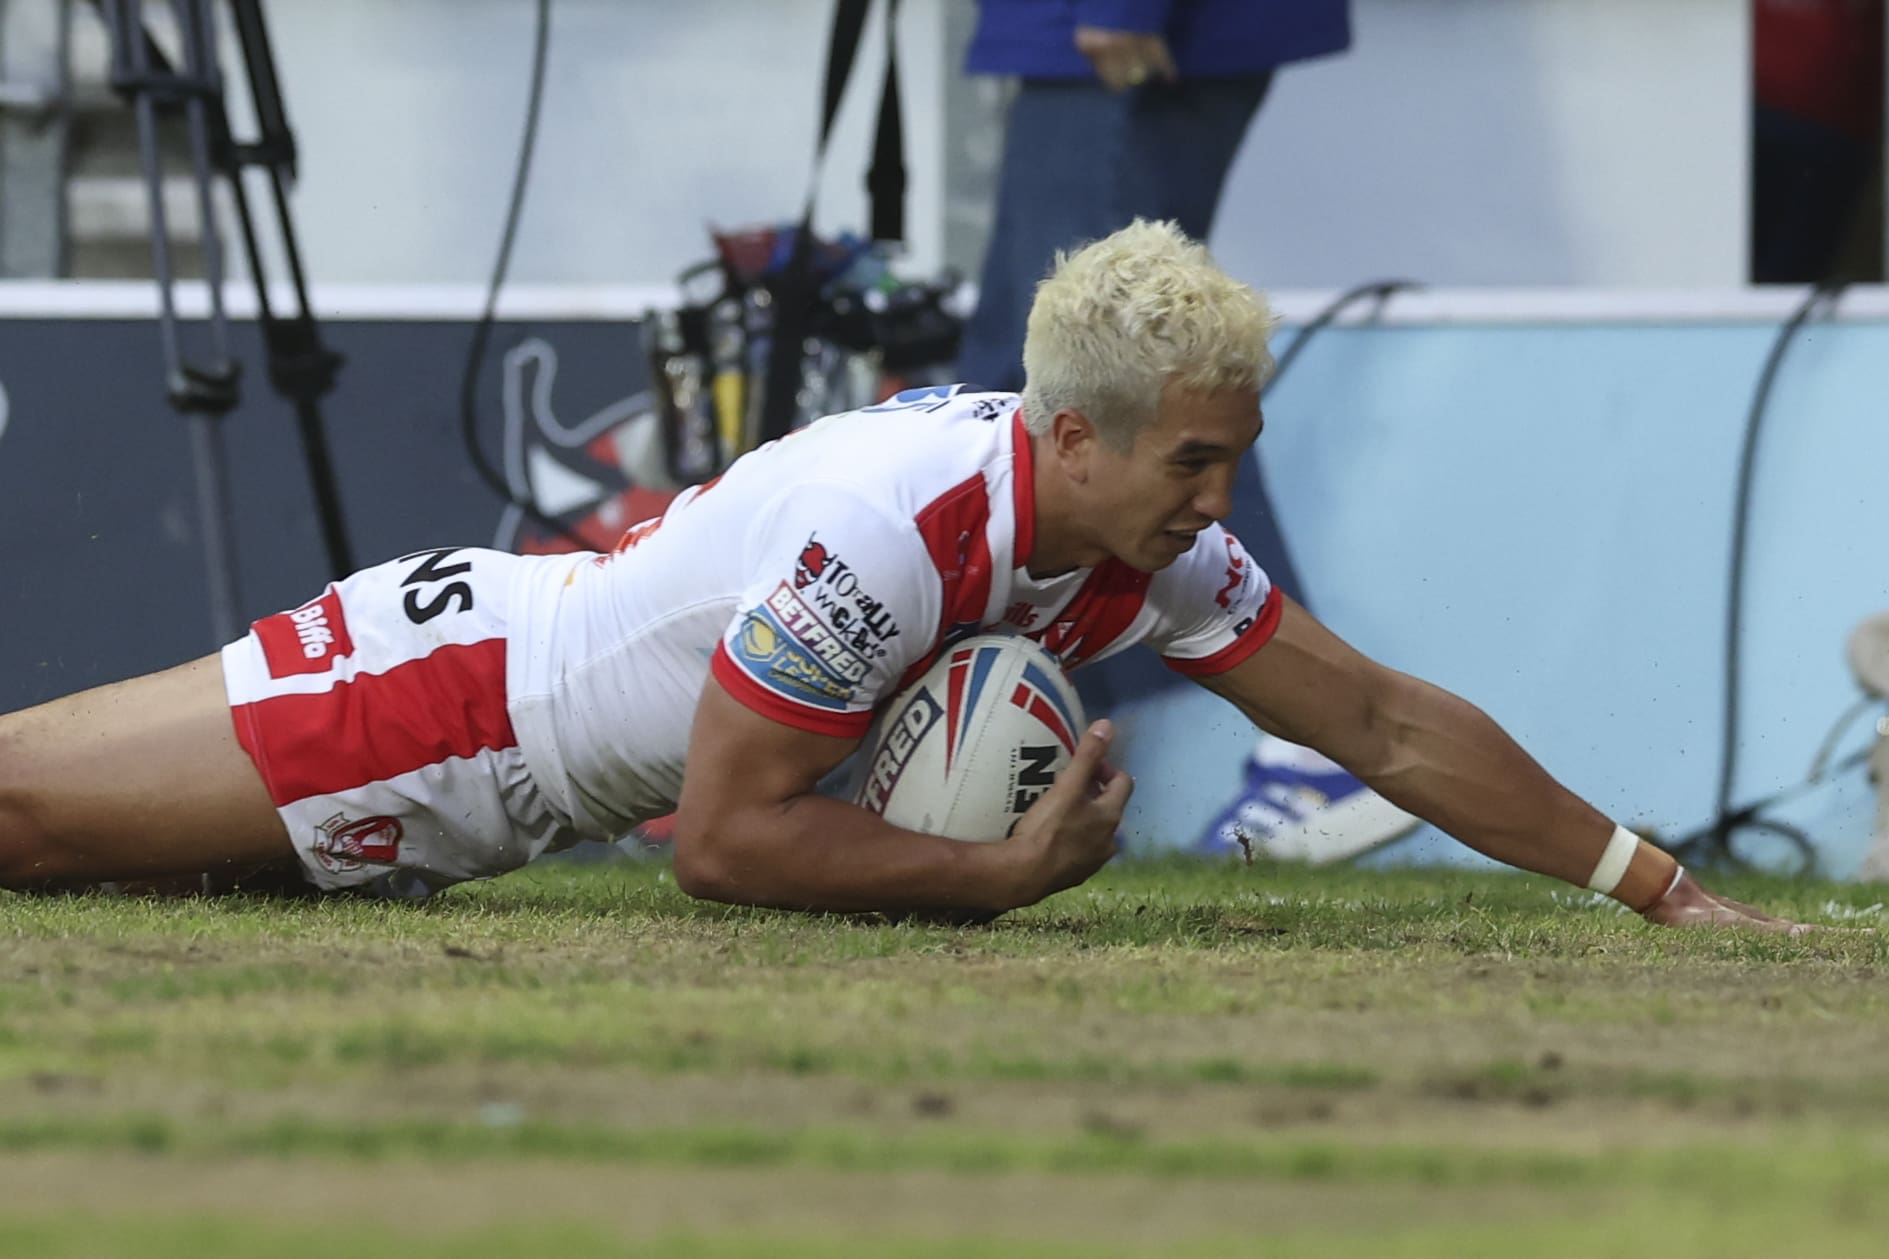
(965, 750)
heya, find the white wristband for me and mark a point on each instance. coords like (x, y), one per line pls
(1614, 861)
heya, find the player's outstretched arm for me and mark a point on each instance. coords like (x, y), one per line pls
(751, 831)
(1445, 760)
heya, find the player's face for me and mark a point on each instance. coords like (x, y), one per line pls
(1150, 501)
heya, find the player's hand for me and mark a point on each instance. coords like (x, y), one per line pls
(1125, 59)
(1069, 833)
(1689, 904)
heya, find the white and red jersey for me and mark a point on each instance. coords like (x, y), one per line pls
(815, 578)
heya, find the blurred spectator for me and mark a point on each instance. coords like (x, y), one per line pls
(1817, 140)
(1125, 108)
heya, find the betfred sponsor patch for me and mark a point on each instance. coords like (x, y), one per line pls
(307, 640)
(780, 661)
(806, 626)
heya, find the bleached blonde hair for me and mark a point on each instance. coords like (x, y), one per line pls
(1117, 319)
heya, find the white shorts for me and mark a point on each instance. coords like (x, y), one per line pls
(377, 716)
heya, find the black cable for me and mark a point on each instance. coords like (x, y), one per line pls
(1706, 848)
(482, 330)
(1713, 845)
(1379, 289)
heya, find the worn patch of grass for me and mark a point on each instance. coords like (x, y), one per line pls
(1776, 1171)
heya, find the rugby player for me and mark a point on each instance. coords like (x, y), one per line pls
(455, 713)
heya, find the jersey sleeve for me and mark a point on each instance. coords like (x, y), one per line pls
(838, 604)
(1214, 605)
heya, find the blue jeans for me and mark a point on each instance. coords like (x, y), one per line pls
(1080, 162)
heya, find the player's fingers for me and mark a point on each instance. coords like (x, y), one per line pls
(1741, 914)
(1722, 912)
(1747, 910)
(1090, 750)
(1112, 800)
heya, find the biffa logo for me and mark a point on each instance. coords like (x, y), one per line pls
(307, 640)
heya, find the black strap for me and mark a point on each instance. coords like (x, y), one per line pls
(793, 290)
(885, 181)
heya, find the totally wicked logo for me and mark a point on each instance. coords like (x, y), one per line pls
(811, 566)
(832, 588)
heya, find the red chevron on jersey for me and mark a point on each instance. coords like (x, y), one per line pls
(1100, 612)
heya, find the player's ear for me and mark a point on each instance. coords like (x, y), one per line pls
(1073, 440)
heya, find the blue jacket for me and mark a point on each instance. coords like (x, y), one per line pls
(1036, 38)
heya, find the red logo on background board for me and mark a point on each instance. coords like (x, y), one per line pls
(308, 640)
(811, 565)
(341, 845)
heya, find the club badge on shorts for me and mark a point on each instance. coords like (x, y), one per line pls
(342, 846)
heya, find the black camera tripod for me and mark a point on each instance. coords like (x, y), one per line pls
(205, 389)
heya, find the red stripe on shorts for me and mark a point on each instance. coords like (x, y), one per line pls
(377, 726)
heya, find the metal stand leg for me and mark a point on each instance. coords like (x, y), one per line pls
(214, 518)
(301, 368)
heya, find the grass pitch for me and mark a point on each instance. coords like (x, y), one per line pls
(1176, 1059)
